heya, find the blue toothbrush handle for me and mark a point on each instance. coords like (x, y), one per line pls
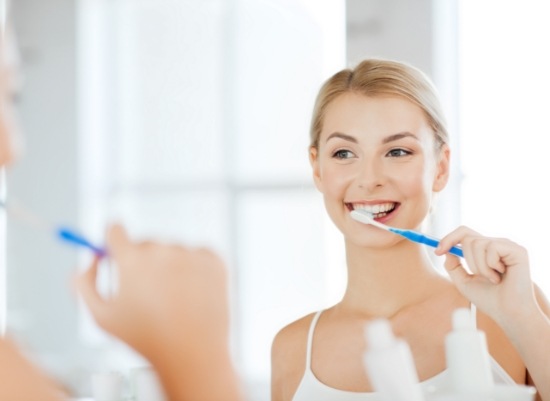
(426, 240)
(456, 251)
(434, 243)
(68, 235)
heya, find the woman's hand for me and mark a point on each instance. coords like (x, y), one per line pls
(166, 293)
(171, 306)
(498, 281)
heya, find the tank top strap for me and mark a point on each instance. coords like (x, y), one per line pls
(310, 339)
(499, 373)
(473, 313)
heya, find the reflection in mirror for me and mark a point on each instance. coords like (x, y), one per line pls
(184, 120)
(189, 121)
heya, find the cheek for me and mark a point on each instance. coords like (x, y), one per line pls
(335, 180)
(8, 148)
(416, 181)
(5, 145)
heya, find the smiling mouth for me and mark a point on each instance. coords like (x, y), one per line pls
(376, 211)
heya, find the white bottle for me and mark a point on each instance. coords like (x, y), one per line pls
(146, 385)
(389, 364)
(467, 356)
(107, 386)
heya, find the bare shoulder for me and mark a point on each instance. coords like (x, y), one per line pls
(288, 358)
(289, 345)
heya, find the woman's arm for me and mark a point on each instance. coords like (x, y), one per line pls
(20, 380)
(497, 280)
(531, 337)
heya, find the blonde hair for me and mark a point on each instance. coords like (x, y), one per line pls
(374, 77)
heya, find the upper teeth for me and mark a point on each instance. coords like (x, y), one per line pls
(375, 209)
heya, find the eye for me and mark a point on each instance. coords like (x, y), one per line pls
(343, 154)
(398, 152)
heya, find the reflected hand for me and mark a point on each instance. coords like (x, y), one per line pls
(167, 294)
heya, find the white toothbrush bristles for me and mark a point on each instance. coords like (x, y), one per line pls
(365, 217)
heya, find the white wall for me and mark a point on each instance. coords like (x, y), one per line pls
(135, 166)
(178, 115)
(41, 308)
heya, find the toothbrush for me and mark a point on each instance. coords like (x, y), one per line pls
(65, 234)
(366, 218)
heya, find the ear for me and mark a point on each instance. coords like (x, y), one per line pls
(443, 169)
(316, 169)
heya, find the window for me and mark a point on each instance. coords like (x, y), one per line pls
(503, 123)
(194, 128)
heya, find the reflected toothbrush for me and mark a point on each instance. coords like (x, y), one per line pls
(365, 217)
(71, 236)
(65, 234)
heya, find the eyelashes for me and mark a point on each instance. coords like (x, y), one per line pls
(344, 154)
(399, 152)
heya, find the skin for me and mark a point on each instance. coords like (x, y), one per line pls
(16, 372)
(162, 303)
(381, 150)
(497, 280)
(171, 306)
(8, 72)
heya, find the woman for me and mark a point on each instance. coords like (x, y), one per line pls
(379, 142)
(171, 305)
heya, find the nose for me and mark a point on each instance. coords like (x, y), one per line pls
(371, 174)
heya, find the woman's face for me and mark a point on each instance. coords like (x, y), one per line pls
(377, 153)
(7, 91)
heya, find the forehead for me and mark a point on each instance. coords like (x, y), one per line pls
(356, 114)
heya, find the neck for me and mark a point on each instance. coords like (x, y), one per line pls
(381, 282)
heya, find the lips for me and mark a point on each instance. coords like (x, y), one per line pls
(377, 211)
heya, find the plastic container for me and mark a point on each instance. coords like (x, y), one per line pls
(500, 392)
(107, 386)
(467, 356)
(389, 364)
(145, 385)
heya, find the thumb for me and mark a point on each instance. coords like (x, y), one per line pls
(86, 286)
(456, 271)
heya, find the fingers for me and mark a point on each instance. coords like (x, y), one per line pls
(456, 237)
(126, 252)
(482, 259)
(117, 240)
(481, 253)
(457, 272)
(86, 286)
(494, 258)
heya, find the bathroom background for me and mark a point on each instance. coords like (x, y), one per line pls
(188, 121)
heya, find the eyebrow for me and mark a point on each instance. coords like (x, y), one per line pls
(343, 136)
(388, 139)
(400, 135)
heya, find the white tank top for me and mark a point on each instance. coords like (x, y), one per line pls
(310, 388)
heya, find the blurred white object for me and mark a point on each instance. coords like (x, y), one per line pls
(468, 364)
(500, 392)
(467, 356)
(107, 386)
(389, 364)
(514, 393)
(145, 385)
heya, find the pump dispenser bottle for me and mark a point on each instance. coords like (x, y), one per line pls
(467, 356)
(389, 364)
